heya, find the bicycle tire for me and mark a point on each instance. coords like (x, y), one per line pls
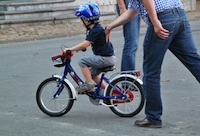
(54, 107)
(129, 107)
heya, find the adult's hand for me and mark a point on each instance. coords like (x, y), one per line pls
(158, 28)
(108, 31)
(160, 31)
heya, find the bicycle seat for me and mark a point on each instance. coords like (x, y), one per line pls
(106, 69)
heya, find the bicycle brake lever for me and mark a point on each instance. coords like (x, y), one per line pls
(55, 57)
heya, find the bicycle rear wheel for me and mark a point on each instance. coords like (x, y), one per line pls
(54, 106)
(135, 97)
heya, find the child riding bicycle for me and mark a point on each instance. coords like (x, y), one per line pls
(103, 52)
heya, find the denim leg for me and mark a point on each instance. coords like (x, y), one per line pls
(131, 36)
(131, 31)
(184, 49)
(153, 58)
(180, 42)
(154, 52)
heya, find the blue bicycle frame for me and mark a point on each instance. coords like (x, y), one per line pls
(77, 79)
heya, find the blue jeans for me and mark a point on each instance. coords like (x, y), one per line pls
(180, 43)
(131, 31)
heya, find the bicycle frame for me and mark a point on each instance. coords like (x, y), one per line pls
(69, 69)
(103, 78)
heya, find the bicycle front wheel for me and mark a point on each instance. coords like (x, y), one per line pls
(135, 97)
(51, 106)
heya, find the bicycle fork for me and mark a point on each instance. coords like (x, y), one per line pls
(60, 87)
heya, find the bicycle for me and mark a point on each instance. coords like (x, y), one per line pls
(123, 95)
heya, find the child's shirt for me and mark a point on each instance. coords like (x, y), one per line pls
(97, 37)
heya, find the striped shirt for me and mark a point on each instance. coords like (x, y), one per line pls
(160, 5)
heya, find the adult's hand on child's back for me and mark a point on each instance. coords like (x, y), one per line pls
(108, 31)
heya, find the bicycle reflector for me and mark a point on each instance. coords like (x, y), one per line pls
(137, 73)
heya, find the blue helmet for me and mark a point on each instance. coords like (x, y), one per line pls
(88, 12)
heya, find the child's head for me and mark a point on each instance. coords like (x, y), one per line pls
(89, 13)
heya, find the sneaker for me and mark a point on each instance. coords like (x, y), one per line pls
(85, 88)
(146, 123)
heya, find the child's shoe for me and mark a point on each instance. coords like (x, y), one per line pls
(85, 88)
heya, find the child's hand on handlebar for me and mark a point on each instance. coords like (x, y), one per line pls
(63, 53)
(66, 49)
(67, 53)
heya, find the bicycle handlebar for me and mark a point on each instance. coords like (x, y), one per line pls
(68, 54)
(63, 57)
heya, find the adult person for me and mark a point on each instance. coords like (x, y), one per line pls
(131, 31)
(168, 28)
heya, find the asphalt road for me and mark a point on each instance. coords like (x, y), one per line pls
(24, 65)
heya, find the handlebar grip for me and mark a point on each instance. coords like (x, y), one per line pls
(68, 52)
(84, 50)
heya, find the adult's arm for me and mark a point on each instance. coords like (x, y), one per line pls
(158, 28)
(121, 20)
(122, 6)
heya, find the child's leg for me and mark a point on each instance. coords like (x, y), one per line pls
(103, 84)
(87, 74)
(97, 80)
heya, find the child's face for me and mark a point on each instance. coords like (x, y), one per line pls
(86, 22)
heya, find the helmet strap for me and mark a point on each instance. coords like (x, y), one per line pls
(86, 26)
(91, 22)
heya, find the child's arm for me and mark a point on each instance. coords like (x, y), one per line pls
(79, 47)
